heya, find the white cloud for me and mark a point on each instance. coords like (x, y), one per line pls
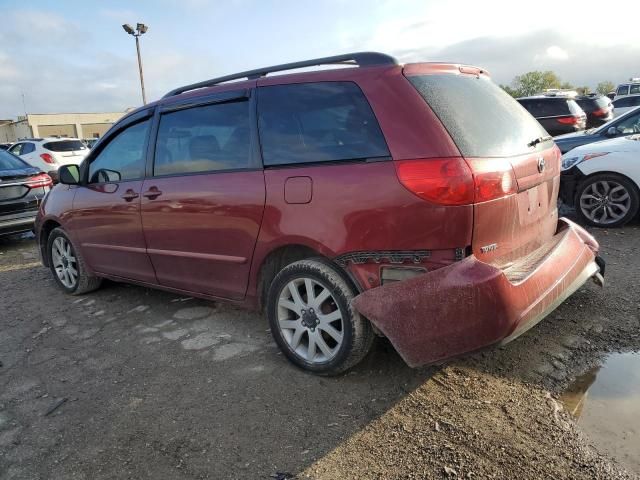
(556, 53)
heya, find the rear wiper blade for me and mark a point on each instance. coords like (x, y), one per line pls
(538, 140)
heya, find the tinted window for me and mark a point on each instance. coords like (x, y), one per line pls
(624, 102)
(623, 90)
(27, 148)
(634, 89)
(123, 157)
(546, 107)
(317, 122)
(204, 139)
(65, 146)
(482, 118)
(9, 162)
(591, 104)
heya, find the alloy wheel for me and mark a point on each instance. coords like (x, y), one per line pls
(605, 202)
(65, 262)
(310, 320)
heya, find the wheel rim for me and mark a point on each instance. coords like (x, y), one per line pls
(64, 262)
(310, 320)
(605, 202)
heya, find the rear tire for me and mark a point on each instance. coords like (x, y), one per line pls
(312, 320)
(607, 200)
(67, 265)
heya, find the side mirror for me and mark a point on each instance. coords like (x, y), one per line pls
(612, 132)
(69, 174)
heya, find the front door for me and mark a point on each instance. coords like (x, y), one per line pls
(106, 213)
(203, 202)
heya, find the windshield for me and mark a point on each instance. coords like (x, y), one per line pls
(624, 123)
(482, 119)
(9, 161)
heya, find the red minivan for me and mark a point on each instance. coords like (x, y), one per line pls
(412, 201)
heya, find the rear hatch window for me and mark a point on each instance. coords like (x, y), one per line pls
(482, 119)
(592, 104)
(65, 146)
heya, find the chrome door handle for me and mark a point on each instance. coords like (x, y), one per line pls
(130, 195)
(152, 193)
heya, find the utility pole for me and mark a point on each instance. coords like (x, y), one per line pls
(141, 29)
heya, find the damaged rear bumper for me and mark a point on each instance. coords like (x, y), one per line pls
(470, 304)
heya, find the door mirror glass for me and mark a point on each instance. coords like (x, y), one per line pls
(69, 174)
(104, 175)
(612, 132)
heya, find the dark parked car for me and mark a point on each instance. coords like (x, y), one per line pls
(22, 188)
(598, 108)
(5, 146)
(626, 124)
(557, 114)
(346, 202)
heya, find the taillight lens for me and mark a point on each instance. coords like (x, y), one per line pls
(568, 120)
(47, 158)
(446, 181)
(40, 180)
(454, 181)
(493, 178)
(602, 112)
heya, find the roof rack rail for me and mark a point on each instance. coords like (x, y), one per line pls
(361, 59)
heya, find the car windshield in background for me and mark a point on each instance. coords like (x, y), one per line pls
(10, 162)
(65, 146)
(482, 118)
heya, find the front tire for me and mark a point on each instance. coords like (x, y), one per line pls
(67, 265)
(312, 320)
(607, 200)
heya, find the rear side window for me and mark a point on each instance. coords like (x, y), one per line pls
(317, 122)
(9, 162)
(634, 89)
(208, 138)
(65, 146)
(27, 148)
(482, 119)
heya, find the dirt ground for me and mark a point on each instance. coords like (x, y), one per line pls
(152, 385)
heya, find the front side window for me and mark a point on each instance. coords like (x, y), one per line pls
(629, 125)
(16, 149)
(123, 158)
(207, 138)
(317, 122)
(623, 102)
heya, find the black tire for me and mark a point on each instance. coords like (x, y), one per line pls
(357, 333)
(85, 283)
(629, 186)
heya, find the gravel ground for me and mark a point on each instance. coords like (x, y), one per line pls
(134, 383)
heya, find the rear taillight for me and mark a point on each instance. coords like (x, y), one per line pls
(40, 180)
(493, 178)
(454, 181)
(446, 181)
(602, 112)
(568, 120)
(47, 158)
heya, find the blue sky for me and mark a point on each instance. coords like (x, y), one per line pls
(74, 55)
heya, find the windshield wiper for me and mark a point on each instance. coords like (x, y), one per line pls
(538, 140)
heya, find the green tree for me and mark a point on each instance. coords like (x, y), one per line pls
(605, 87)
(509, 90)
(534, 82)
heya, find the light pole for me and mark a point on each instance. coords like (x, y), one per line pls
(141, 29)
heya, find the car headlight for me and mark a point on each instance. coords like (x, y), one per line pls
(573, 160)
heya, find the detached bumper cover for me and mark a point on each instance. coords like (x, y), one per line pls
(470, 304)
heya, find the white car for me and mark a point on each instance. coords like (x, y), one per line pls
(622, 105)
(49, 153)
(632, 87)
(602, 180)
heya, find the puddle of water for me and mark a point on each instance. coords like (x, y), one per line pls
(606, 405)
